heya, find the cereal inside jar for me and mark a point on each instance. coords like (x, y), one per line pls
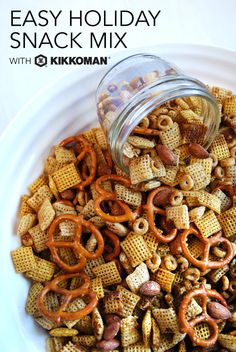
(150, 112)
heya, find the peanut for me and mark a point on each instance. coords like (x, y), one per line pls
(111, 330)
(108, 345)
(150, 288)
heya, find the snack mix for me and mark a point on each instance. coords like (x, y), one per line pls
(136, 263)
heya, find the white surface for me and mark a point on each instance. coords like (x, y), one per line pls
(66, 107)
(207, 22)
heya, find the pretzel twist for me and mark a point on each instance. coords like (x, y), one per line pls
(87, 149)
(115, 243)
(111, 196)
(152, 210)
(74, 244)
(188, 326)
(205, 263)
(68, 295)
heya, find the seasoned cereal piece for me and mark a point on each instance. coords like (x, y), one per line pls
(39, 182)
(26, 222)
(202, 331)
(140, 169)
(43, 271)
(179, 215)
(220, 93)
(39, 196)
(165, 279)
(138, 277)
(147, 327)
(219, 147)
(227, 221)
(129, 331)
(141, 142)
(24, 206)
(66, 177)
(113, 303)
(210, 201)
(86, 340)
(170, 178)
(46, 214)
(45, 323)
(70, 347)
(64, 155)
(92, 263)
(166, 319)
(191, 117)
(172, 137)
(97, 287)
(197, 173)
(193, 133)
(129, 196)
(100, 138)
(170, 340)
(129, 301)
(108, 272)
(217, 274)
(208, 224)
(31, 306)
(23, 259)
(52, 165)
(229, 105)
(136, 250)
(74, 306)
(151, 241)
(97, 324)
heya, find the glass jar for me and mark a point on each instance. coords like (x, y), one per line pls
(136, 86)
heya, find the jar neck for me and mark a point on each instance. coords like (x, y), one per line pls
(152, 96)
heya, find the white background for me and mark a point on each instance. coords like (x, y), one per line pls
(207, 22)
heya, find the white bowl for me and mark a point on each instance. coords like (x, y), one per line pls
(60, 110)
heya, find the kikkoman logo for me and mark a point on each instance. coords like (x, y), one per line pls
(40, 60)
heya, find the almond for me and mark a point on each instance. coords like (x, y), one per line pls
(108, 345)
(111, 330)
(162, 197)
(166, 155)
(198, 151)
(68, 194)
(150, 288)
(218, 311)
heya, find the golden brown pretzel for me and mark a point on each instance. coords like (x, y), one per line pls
(152, 210)
(87, 149)
(205, 263)
(188, 326)
(74, 244)
(111, 196)
(68, 295)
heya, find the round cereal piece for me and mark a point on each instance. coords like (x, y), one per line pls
(186, 182)
(233, 152)
(164, 122)
(154, 262)
(227, 162)
(214, 160)
(169, 262)
(192, 274)
(176, 198)
(219, 172)
(144, 122)
(140, 226)
(225, 283)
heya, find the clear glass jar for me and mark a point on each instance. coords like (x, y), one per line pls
(136, 86)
